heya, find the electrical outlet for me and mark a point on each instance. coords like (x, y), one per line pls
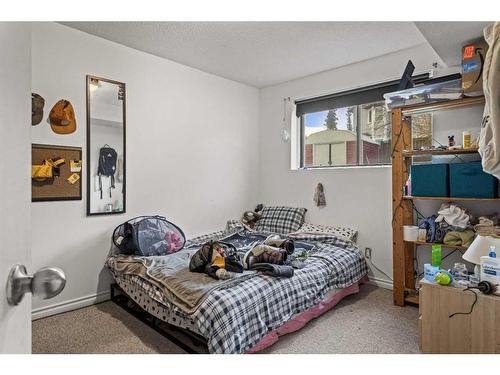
(368, 252)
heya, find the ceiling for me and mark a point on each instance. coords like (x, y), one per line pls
(447, 38)
(260, 53)
(263, 54)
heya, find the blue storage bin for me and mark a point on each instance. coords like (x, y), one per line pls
(467, 180)
(430, 180)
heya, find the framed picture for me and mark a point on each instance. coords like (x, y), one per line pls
(56, 173)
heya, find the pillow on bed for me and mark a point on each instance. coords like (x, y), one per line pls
(349, 233)
(279, 219)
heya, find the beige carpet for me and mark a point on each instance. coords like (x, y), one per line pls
(367, 322)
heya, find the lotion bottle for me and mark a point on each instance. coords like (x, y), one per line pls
(490, 268)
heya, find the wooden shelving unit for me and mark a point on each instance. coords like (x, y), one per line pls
(444, 246)
(402, 206)
(450, 104)
(451, 199)
(412, 299)
(411, 153)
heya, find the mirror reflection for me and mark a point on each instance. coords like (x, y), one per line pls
(105, 146)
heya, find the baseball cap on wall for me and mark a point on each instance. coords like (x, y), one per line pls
(62, 117)
(37, 103)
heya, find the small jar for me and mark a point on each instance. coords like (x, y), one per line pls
(466, 138)
(460, 271)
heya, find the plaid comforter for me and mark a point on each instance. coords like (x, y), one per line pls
(236, 318)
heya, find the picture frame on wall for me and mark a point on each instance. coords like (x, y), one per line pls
(56, 173)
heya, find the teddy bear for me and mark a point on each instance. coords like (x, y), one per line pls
(250, 218)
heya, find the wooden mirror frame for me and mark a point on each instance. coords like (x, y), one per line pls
(88, 161)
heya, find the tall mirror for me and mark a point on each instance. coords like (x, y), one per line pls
(105, 146)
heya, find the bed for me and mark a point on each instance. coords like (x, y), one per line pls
(249, 313)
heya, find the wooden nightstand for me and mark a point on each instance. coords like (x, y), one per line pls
(478, 332)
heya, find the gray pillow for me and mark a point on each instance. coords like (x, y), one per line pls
(280, 219)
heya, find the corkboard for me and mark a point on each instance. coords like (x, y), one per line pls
(57, 188)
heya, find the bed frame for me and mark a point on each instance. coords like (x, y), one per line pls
(199, 343)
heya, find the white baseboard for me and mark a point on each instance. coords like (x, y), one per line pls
(73, 304)
(381, 283)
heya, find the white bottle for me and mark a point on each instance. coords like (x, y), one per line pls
(490, 268)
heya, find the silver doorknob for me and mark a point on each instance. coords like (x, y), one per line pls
(47, 282)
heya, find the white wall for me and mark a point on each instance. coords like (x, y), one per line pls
(195, 153)
(15, 124)
(358, 197)
(191, 152)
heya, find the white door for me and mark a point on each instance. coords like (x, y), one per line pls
(15, 195)
(15, 184)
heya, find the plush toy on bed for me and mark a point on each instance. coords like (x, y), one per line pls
(250, 218)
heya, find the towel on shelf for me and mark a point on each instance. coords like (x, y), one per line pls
(493, 231)
(459, 238)
(487, 226)
(454, 215)
(487, 220)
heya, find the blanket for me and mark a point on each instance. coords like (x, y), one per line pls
(171, 274)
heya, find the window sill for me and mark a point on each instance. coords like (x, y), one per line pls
(381, 166)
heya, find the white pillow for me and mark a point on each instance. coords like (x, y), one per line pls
(346, 232)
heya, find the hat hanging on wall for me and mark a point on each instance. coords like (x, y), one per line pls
(319, 195)
(37, 103)
(62, 117)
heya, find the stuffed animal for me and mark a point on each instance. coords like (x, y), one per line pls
(451, 140)
(250, 218)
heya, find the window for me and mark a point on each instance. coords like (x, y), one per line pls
(347, 136)
(351, 128)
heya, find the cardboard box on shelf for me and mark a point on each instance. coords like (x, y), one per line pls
(473, 55)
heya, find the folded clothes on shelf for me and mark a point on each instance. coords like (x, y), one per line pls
(459, 238)
(436, 231)
(488, 226)
(441, 229)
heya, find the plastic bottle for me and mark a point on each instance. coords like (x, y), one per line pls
(436, 255)
(490, 268)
